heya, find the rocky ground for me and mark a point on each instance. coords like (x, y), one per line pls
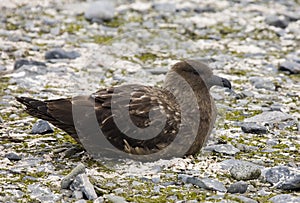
(51, 49)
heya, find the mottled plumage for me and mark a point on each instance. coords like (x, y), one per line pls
(172, 107)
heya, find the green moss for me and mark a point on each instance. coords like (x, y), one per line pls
(11, 26)
(72, 28)
(99, 39)
(280, 146)
(115, 22)
(238, 72)
(146, 56)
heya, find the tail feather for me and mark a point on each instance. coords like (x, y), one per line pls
(58, 112)
(36, 108)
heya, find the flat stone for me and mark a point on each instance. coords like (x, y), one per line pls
(238, 187)
(283, 177)
(13, 156)
(245, 171)
(223, 148)
(115, 199)
(269, 117)
(21, 62)
(99, 11)
(1, 120)
(290, 66)
(42, 193)
(83, 184)
(253, 128)
(80, 201)
(277, 21)
(284, 198)
(165, 7)
(61, 54)
(207, 183)
(245, 199)
(41, 127)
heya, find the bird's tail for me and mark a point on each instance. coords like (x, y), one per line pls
(35, 108)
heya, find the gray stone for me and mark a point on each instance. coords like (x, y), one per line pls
(207, 183)
(13, 156)
(261, 83)
(21, 62)
(245, 171)
(277, 21)
(1, 120)
(284, 198)
(245, 199)
(99, 200)
(42, 193)
(66, 181)
(269, 117)
(165, 7)
(246, 148)
(61, 54)
(82, 183)
(290, 66)
(115, 199)
(77, 194)
(41, 127)
(283, 177)
(223, 148)
(276, 107)
(253, 128)
(2, 68)
(238, 187)
(81, 201)
(100, 10)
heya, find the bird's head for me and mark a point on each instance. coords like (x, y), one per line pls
(194, 70)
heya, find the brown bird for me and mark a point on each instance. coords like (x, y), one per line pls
(139, 121)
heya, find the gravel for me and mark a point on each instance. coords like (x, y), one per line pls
(53, 49)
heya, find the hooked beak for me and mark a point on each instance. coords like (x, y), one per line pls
(226, 83)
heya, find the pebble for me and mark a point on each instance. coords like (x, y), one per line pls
(41, 127)
(1, 120)
(83, 184)
(2, 68)
(207, 183)
(222, 148)
(290, 66)
(99, 11)
(261, 83)
(81, 201)
(114, 198)
(13, 156)
(42, 193)
(61, 54)
(21, 62)
(99, 200)
(253, 128)
(238, 187)
(67, 180)
(246, 199)
(245, 171)
(284, 198)
(283, 177)
(277, 21)
(269, 117)
(164, 7)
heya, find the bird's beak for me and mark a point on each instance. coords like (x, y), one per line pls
(226, 83)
